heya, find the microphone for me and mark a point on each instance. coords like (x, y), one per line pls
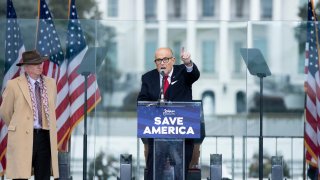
(162, 87)
(162, 72)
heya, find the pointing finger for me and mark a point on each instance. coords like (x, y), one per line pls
(182, 51)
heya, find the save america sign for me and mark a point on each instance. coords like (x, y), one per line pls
(168, 122)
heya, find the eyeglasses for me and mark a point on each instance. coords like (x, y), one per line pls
(164, 60)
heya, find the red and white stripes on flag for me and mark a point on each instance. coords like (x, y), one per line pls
(76, 85)
(48, 44)
(70, 85)
(312, 88)
(76, 49)
(13, 70)
(14, 48)
(63, 108)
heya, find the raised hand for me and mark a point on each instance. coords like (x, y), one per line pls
(185, 57)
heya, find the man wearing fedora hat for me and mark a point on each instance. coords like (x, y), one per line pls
(28, 109)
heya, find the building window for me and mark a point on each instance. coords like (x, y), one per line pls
(241, 102)
(266, 9)
(151, 47)
(238, 65)
(239, 8)
(176, 51)
(208, 56)
(209, 105)
(208, 8)
(150, 9)
(177, 8)
(112, 8)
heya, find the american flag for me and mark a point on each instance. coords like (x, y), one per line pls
(312, 87)
(14, 48)
(75, 51)
(48, 44)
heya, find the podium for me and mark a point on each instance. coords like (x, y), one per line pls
(166, 127)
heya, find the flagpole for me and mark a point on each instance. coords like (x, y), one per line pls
(304, 157)
(35, 44)
(261, 76)
(85, 74)
(304, 129)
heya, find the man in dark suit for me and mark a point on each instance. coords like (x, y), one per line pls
(177, 87)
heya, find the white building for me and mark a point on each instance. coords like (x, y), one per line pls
(213, 31)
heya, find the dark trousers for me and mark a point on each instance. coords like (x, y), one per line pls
(41, 155)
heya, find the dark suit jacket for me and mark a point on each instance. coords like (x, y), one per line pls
(180, 89)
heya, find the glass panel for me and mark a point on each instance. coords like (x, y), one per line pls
(230, 94)
(283, 97)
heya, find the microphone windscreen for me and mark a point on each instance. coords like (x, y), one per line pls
(162, 72)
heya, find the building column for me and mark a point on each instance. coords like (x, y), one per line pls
(276, 6)
(162, 15)
(225, 5)
(276, 37)
(191, 27)
(255, 10)
(223, 98)
(250, 84)
(140, 37)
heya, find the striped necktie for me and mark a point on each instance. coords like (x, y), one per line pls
(38, 101)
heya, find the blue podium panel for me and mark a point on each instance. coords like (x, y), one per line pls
(168, 159)
(167, 125)
(171, 120)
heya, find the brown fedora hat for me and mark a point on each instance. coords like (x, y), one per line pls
(32, 57)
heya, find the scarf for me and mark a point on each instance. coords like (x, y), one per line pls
(44, 97)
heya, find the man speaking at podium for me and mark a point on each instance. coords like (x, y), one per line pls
(177, 86)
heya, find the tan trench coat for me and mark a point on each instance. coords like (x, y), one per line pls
(16, 110)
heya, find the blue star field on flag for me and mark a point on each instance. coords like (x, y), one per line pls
(76, 41)
(13, 37)
(48, 43)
